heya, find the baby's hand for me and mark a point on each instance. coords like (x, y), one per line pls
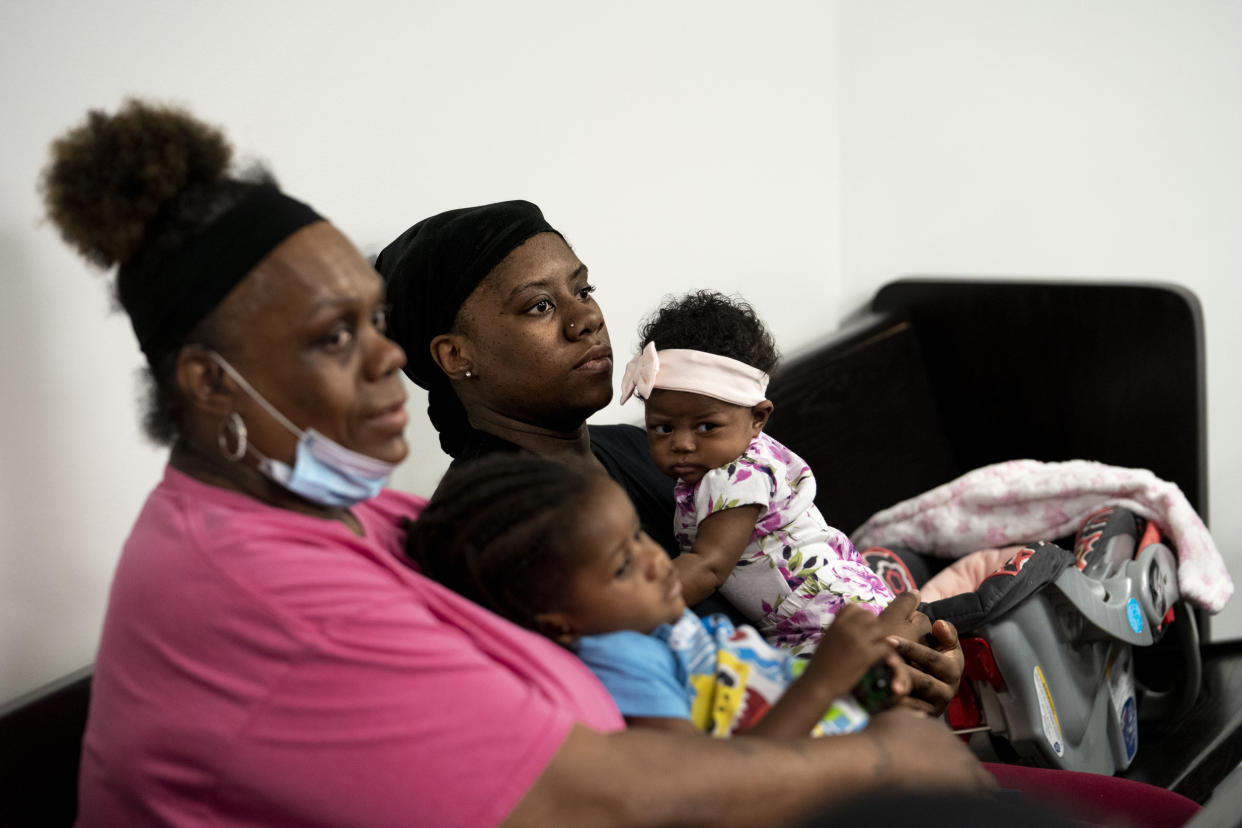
(855, 641)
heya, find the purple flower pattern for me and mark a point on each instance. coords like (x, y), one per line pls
(797, 572)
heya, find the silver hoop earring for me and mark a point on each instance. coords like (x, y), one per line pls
(232, 429)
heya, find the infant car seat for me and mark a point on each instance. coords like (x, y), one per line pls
(1048, 639)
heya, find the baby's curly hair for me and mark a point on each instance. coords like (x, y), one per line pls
(709, 321)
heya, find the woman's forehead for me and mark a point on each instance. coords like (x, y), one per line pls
(322, 258)
(543, 258)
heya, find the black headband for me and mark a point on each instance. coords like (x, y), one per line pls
(201, 273)
(434, 266)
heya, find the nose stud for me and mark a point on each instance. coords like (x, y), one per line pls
(571, 325)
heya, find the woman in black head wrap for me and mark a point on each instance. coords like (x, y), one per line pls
(433, 268)
(497, 316)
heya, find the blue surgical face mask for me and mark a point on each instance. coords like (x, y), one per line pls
(323, 471)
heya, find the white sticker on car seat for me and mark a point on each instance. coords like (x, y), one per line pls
(1048, 714)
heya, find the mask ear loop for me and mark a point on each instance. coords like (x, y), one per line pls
(255, 395)
(233, 427)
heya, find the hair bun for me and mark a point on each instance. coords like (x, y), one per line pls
(110, 176)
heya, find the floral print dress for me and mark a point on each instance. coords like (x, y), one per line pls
(797, 572)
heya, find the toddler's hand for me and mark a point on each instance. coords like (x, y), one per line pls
(903, 619)
(931, 652)
(855, 641)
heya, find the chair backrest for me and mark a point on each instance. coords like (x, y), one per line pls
(858, 408)
(942, 376)
(1112, 372)
(40, 749)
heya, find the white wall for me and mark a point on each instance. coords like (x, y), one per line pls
(676, 144)
(799, 152)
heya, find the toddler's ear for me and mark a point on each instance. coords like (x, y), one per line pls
(555, 625)
(759, 415)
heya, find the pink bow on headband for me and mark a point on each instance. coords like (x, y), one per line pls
(640, 374)
(696, 372)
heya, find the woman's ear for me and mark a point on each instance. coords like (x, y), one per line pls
(451, 352)
(556, 626)
(203, 382)
(759, 414)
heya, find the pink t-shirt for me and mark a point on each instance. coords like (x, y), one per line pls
(264, 667)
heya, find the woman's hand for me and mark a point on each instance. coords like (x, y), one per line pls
(931, 651)
(853, 642)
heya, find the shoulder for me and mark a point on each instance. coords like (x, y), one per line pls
(639, 671)
(767, 449)
(748, 480)
(231, 550)
(618, 439)
(626, 650)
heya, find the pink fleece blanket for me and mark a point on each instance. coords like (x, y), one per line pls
(1027, 500)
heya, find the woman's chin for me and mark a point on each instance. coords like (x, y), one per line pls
(585, 401)
(392, 451)
(598, 395)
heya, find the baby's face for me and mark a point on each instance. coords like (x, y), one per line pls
(691, 434)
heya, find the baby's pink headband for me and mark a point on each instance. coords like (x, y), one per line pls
(680, 369)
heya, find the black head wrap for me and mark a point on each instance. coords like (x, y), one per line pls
(431, 269)
(210, 264)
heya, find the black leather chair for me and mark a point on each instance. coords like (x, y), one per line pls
(40, 747)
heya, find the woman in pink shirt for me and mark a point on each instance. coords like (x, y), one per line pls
(266, 656)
